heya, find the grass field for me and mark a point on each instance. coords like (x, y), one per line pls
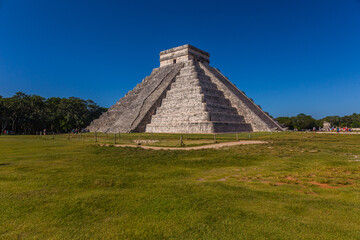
(298, 186)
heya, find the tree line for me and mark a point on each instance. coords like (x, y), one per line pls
(23, 113)
(303, 122)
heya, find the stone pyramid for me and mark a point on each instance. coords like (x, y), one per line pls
(185, 95)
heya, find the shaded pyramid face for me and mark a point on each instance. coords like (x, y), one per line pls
(185, 95)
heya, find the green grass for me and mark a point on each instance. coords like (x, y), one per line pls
(74, 189)
(159, 140)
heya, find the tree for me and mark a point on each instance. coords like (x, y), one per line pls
(4, 113)
(24, 113)
(333, 120)
(286, 121)
(303, 121)
(300, 122)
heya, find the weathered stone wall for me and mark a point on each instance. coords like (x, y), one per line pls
(183, 54)
(176, 58)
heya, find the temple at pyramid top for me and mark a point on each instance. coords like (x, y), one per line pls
(185, 95)
(182, 54)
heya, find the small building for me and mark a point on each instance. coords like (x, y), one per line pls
(326, 126)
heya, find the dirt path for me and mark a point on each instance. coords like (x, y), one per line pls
(217, 145)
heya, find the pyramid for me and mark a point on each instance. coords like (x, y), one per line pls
(185, 95)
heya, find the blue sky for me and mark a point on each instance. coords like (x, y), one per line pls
(298, 56)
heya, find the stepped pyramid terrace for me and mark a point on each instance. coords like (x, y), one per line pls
(185, 95)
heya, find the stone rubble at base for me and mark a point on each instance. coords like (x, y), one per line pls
(185, 95)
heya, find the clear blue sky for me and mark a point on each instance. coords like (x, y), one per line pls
(290, 56)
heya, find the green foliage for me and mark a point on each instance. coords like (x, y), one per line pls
(24, 113)
(303, 122)
(299, 122)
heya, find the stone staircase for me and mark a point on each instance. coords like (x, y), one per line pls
(133, 111)
(195, 104)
